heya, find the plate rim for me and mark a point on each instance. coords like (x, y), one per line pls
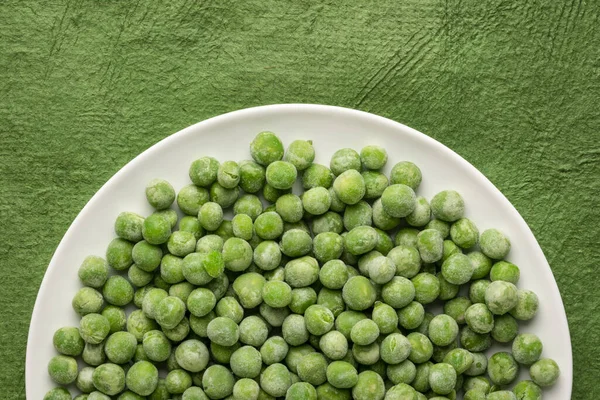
(305, 107)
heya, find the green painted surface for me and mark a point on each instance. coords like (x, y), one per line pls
(513, 86)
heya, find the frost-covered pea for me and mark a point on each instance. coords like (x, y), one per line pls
(448, 205)
(364, 332)
(252, 176)
(381, 219)
(447, 290)
(457, 269)
(373, 157)
(501, 297)
(248, 288)
(527, 390)
(156, 229)
(406, 259)
(456, 308)
(328, 222)
(245, 389)
(109, 379)
(406, 173)
(318, 319)
(334, 345)
(156, 346)
(527, 348)
(191, 197)
(501, 395)
(68, 341)
(275, 380)
(527, 305)
(442, 378)
(333, 274)
(505, 271)
(290, 208)
(460, 359)
(246, 362)
(223, 331)
(381, 270)
(430, 245)
(477, 290)
(375, 184)
(93, 271)
(479, 318)
(369, 386)
(277, 293)
(398, 292)
(180, 332)
(505, 328)
(281, 175)
(312, 368)
(427, 287)
(474, 342)
(94, 328)
(494, 244)
(398, 200)
(502, 368)
(253, 331)
(63, 369)
(274, 316)
(267, 255)
(268, 225)
(294, 330)
(146, 256)
(302, 298)
(300, 153)
(349, 186)
(411, 316)
(544, 372)
(421, 348)
(342, 375)
(361, 240)
(196, 267)
(274, 350)
(201, 301)
(443, 330)
(120, 347)
(359, 293)
(464, 233)
(403, 372)
(230, 308)
(302, 272)
(395, 348)
(358, 214)
(203, 171)
(142, 378)
(385, 317)
(169, 312)
(266, 147)
(59, 393)
(317, 175)
(296, 243)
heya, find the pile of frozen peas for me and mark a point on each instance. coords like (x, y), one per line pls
(323, 295)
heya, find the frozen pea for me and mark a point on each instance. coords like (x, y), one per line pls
(334, 345)
(191, 197)
(427, 287)
(421, 348)
(406, 259)
(317, 175)
(151, 300)
(400, 392)
(301, 391)
(246, 362)
(178, 381)
(443, 330)
(395, 348)
(109, 379)
(403, 372)
(527, 348)
(274, 350)
(334, 273)
(94, 328)
(527, 305)
(268, 225)
(169, 312)
(464, 233)
(245, 389)
(478, 366)
(479, 318)
(381, 219)
(156, 229)
(502, 368)
(430, 245)
(223, 196)
(249, 205)
(447, 290)
(156, 345)
(201, 301)
(373, 157)
(296, 243)
(203, 171)
(369, 386)
(223, 331)
(328, 222)
(406, 237)
(119, 254)
(424, 326)
(501, 395)
(450, 248)
(421, 214)
(505, 328)
(456, 308)
(277, 293)
(361, 240)
(448, 205)
(460, 359)
(146, 256)
(274, 316)
(266, 147)
(228, 174)
(294, 330)
(366, 355)
(302, 272)
(544, 372)
(384, 242)
(481, 264)
(346, 320)
(318, 319)
(196, 267)
(385, 317)
(290, 208)
(398, 293)
(181, 243)
(171, 268)
(343, 160)
(229, 307)
(411, 316)
(302, 298)
(120, 347)
(442, 378)
(421, 381)
(349, 186)
(501, 297)
(63, 369)
(209, 243)
(457, 269)
(184, 289)
(180, 332)
(358, 214)
(312, 368)
(398, 200)
(142, 378)
(84, 381)
(494, 244)
(210, 216)
(375, 184)
(160, 194)
(192, 225)
(275, 380)
(505, 271)
(406, 173)
(58, 393)
(300, 153)
(199, 325)
(473, 341)
(328, 246)
(118, 291)
(332, 299)
(253, 331)
(477, 290)
(267, 255)
(169, 215)
(93, 271)
(252, 176)
(364, 332)
(381, 270)
(527, 390)
(237, 254)
(359, 293)
(68, 341)
(248, 287)
(93, 354)
(271, 194)
(327, 391)
(138, 276)
(281, 175)
(478, 383)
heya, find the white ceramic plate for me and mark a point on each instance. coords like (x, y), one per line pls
(227, 137)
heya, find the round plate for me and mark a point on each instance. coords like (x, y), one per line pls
(227, 137)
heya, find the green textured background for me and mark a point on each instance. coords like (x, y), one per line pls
(513, 86)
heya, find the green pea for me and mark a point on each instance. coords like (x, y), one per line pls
(300, 153)
(275, 380)
(120, 347)
(290, 208)
(505, 271)
(223, 331)
(119, 254)
(169, 312)
(63, 369)
(302, 272)
(160, 194)
(317, 175)
(421, 348)
(68, 341)
(430, 245)
(501, 297)
(443, 330)
(266, 148)
(312, 368)
(403, 372)
(494, 244)
(296, 243)
(277, 293)
(477, 290)
(268, 225)
(411, 316)
(395, 348)
(505, 328)
(229, 307)
(406, 237)
(527, 305)
(349, 186)
(369, 386)
(479, 318)
(398, 200)
(406, 173)
(281, 175)
(427, 287)
(191, 197)
(58, 393)
(328, 222)
(448, 206)
(223, 196)
(274, 316)
(502, 368)
(527, 348)
(156, 345)
(473, 341)
(146, 256)
(252, 176)
(527, 390)
(457, 269)
(359, 293)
